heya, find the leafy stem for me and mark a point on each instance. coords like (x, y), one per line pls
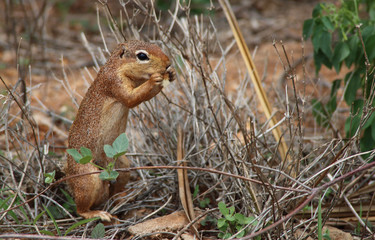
(114, 151)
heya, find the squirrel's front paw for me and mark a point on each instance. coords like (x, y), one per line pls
(170, 74)
(156, 79)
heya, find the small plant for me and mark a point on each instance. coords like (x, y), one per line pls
(202, 203)
(326, 235)
(117, 149)
(98, 232)
(68, 204)
(320, 221)
(19, 217)
(339, 37)
(233, 223)
(50, 177)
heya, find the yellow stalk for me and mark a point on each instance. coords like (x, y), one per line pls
(255, 78)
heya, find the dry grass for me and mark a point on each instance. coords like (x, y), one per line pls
(222, 131)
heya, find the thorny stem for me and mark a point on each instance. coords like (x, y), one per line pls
(292, 76)
(367, 62)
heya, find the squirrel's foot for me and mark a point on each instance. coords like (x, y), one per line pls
(104, 216)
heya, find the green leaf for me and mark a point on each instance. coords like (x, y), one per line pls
(67, 196)
(53, 220)
(321, 40)
(357, 107)
(196, 191)
(353, 44)
(57, 212)
(368, 31)
(222, 224)
(109, 151)
(224, 235)
(367, 142)
(326, 235)
(223, 208)
(370, 47)
(69, 204)
(46, 232)
(85, 159)
(372, 12)
(98, 232)
(231, 210)
(109, 176)
(332, 104)
(251, 219)
(308, 26)
(38, 216)
(339, 54)
(204, 203)
(75, 154)
(320, 220)
(373, 131)
(335, 87)
(242, 233)
(353, 85)
(49, 177)
(230, 217)
(352, 122)
(4, 205)
(316, 36)
(370, 121)
(84, 221)
(239, 218)
(121, 143)
(325, 44)
(317, 11)
(85, 151)
(327, 23)
(227, 235)
(319, 59)
(319, 113)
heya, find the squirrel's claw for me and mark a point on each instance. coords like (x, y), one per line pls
(171, 73)
(105, 216)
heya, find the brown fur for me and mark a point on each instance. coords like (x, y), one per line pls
(122, 83)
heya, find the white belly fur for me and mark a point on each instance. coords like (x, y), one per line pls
(113, 121)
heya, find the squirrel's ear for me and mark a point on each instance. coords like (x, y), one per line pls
(122, 52)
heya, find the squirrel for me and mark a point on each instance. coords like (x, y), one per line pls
(134, 73)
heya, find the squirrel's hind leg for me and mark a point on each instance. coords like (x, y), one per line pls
(90, 191)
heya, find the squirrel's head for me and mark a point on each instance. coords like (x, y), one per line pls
(139, 60)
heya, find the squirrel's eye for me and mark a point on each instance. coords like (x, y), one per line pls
(142, 56)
